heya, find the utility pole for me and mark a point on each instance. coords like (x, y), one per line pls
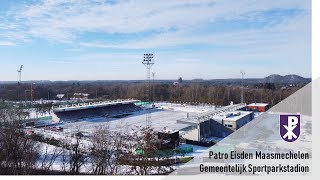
(148, 62)
(31, 92)
(242, 75)
(228, 95)
(153, 75)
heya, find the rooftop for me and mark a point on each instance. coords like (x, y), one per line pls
(231, 116)
(259, 104)
(200, 117)
(80, 106)
(161, 120)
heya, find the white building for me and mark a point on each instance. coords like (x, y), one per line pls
(220, 125)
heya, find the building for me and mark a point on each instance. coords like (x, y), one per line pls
(231, 120)
(60, 96)
(222, 125)
(170, 139)
(260, 107)
(80, 96)
(178, 82)
(219, 125)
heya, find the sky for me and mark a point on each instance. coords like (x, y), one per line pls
(106, 39)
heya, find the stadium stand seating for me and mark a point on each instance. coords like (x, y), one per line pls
(107, 111)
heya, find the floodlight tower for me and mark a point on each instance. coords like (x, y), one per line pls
(148, 62)
(19, 74)
(242, 75)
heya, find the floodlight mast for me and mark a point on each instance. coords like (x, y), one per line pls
(148, 62)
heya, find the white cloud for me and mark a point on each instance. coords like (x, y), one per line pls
(7, 43)
(59, 62)
(168, 24)
(66, 20)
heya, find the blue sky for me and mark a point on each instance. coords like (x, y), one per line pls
(104, 39)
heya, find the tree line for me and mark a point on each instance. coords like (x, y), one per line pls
(219, 94)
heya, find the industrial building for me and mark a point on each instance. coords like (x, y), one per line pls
(220, 125)
(217, 123)
(231, 120)
(260, 107)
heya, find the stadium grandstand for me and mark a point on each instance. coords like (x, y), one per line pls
(108, 109)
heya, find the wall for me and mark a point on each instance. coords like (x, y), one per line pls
(190, 133)
(215, 128)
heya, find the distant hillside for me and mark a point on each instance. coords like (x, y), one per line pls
(274, 78)
(292, 78)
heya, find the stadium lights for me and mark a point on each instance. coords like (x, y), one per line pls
(148, 62)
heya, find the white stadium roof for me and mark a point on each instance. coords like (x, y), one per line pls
(259, 104)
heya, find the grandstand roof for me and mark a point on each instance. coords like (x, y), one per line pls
(80, 106)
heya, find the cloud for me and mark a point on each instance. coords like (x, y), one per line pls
(68, 20)
(74, 49)
(7, 43)
(210, 35)
(97, 45)
(264, 37)
(60, 62)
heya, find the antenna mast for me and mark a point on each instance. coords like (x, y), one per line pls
(19, 74)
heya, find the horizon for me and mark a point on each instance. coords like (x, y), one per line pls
(90, 40)
(236, 78)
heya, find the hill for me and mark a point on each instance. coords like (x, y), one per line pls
(288, 79)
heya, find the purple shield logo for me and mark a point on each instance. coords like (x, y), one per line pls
(290, 127)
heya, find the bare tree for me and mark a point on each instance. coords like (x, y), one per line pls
(144, 153)
(18, 152)
(77, 153)
(49, 156)
(106, 151)
(100, 150)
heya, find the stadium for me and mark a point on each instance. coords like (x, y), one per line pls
(202, 125)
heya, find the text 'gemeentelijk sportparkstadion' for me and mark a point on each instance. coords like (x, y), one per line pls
(242, 168)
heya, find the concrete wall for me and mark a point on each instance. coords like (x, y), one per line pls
(222, 128)
(55, 118)
(215, 128)
(244, 120)
(190, 133)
